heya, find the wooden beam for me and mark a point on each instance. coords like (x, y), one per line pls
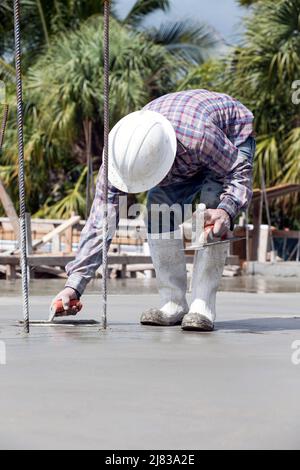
(9, 209)
(57, 231)
(294, 234)
(58, 272)
(11, 272)
(63, 260)
(277, 191)
(69, 240)
(3, 123)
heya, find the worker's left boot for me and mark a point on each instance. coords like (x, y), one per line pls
(208, 269)
(170, 266)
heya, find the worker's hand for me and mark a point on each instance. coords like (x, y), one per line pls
(66, 295)
(219, 219)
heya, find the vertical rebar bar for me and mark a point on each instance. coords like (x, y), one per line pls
(105, 159)
(3, 124)
(23, 234)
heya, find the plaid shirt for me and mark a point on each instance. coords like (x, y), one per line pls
(209, 127)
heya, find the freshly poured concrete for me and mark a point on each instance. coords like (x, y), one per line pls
(135, 387)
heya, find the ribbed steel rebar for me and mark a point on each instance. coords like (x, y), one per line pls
(105, 159)
(22, 196)
(3, 124)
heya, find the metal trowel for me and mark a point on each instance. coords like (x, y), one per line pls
(217, 242)
(204, 237)
(57, 311)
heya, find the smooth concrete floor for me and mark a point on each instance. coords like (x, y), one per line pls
(137, 387)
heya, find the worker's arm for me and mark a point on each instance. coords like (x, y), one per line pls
(233, 164)
(89, 255)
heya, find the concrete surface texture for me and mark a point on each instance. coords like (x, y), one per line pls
(135, 387)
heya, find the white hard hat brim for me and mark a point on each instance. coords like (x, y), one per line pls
(147, 182)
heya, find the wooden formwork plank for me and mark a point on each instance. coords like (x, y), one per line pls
(9, 209)
(57, 231)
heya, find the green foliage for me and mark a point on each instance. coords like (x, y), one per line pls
(210, 76)
(41, 19)
(63, 90)
(142, 8)
(248, 3)
(261, 73)
(190, 40)
(63, 87)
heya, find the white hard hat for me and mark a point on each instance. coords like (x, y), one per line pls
(142, 150)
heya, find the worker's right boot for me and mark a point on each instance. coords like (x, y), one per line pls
(169, 263)
(208, 269)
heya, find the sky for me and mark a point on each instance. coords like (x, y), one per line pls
(224, 15)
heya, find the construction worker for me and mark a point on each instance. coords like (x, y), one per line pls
(180, 146)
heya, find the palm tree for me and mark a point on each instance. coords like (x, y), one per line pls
(264, 70)
(191, 39)
(63, 85)
(41, 20)
(44, 19)
(260, 73)
(63, 91)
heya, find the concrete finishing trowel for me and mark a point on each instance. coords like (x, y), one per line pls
(203, 236)
(57, 311)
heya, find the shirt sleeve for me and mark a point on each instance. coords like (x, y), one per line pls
(233, 165)
(89, 255)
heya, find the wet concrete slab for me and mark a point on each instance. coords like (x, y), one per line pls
(251, 284)
(138, 387)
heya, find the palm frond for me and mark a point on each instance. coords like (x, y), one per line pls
(62, 90)
(73, 202)
(267, 157)
(292, 146)
(209, 75)
(43, 21)
(6, 6)
(192, 40)
(7, 71)
(142, 8)
(247, 3)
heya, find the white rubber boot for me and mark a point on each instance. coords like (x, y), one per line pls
(169, 262)
(208, 269)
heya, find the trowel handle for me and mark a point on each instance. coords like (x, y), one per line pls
(208, 233)
(59, 308)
